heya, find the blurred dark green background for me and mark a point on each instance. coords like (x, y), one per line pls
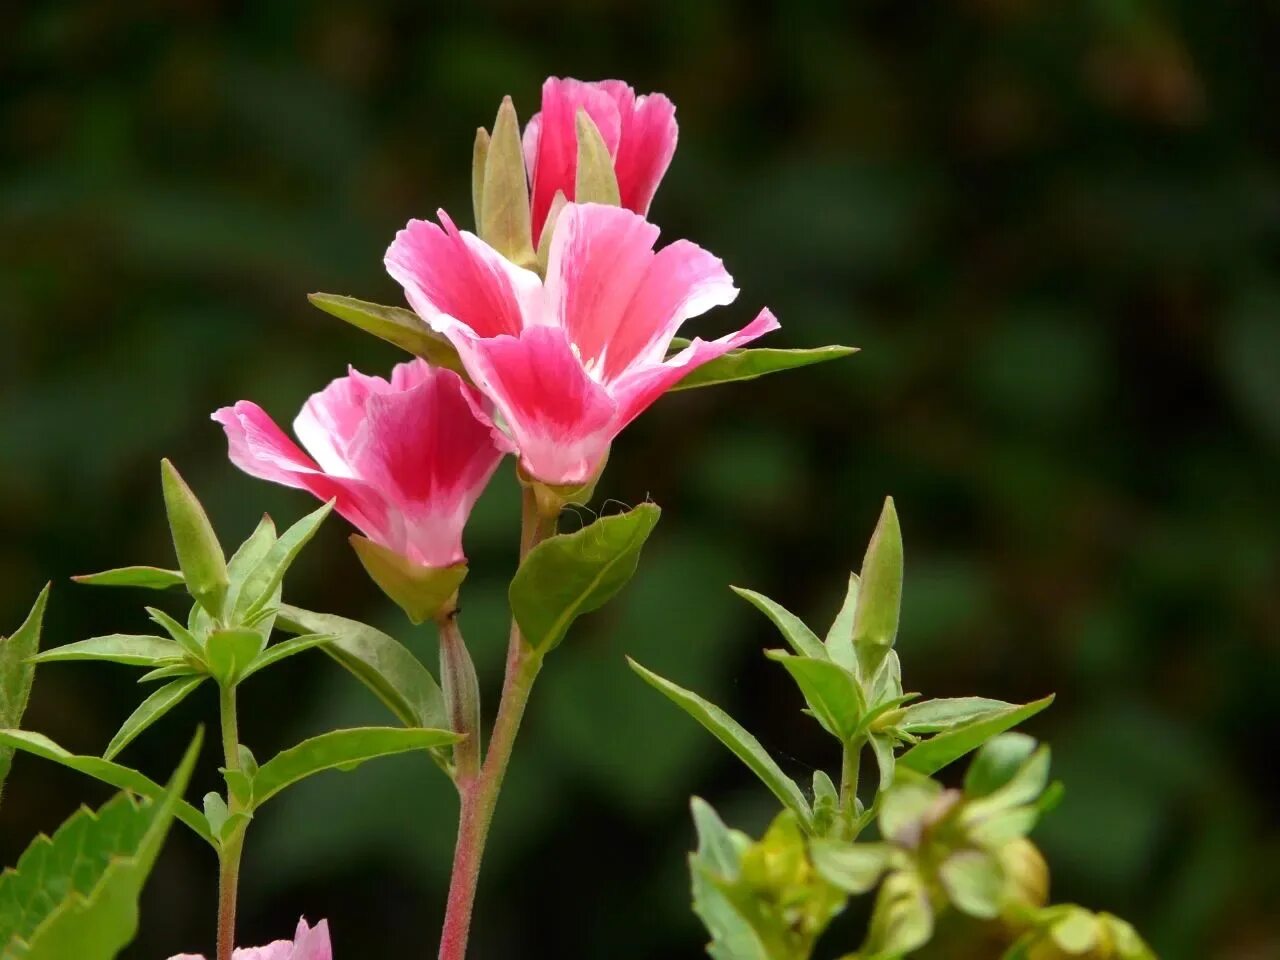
(1052, 228)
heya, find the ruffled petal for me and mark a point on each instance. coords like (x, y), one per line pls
(426, 451)
(645, 149)
(280, 950)
(558, 417)
(451, 276)
(555, 163)
(261, 449)
(330, 421)
(636, 391)
(312, 943)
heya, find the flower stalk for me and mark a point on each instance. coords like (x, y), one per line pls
(230, 849)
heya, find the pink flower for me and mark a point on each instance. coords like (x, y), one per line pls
(404, 460)
(308, 943)
(640, 133)
(568, 362)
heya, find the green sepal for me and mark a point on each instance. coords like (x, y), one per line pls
(75, 895)
(340, 750)
(732, 734)
(548, 231)
(596, 181)
(204, 567)
(129, 649)
(149, 578)
(120, 777)
(504, 221)
(875, 621)
(479, 160)
(831, 691)
(149, 711)
(801, 639)
(229, 653)
(839, 641)
(396, 325)
(381, 663)
(423, 593)
(570, 574)
(930, 756)
(16, 673)
(748, 364)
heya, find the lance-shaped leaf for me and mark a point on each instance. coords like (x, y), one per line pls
(396, 325)
(882, 748)
(747, 364)
(381, 663)
(571, 574)
(875, 621)
(731, 733)
(932, 716)
(802, 640)
(130, 649)
(261, 585)
(839, 642)
(421, 592)
(229, 653)
(248, 556)
(16, 673)
(149, 711)
(75, 894)
(340, 750)
(149, 578)
(831, 691)
(596, 181)
(199, 554)
(504, 210)
(180, 634)
(286, 648)
(715, 861)
(930, 756)
(114, 774)
(998, 762)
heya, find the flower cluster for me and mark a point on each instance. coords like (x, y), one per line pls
(555, 356)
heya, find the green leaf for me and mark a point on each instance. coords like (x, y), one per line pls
(1023, 783)
(902, 920)
(150, 578)
(729, 732)
(17, 672)
(382, 664)
(396, 325)
(129, 649)
(121, 777)
(504, 210)
(230, 652)
(903, 806)
(802, 640)
(930, 756)
(853, 867)
(248, 556)
(974, 883)
(716, 861)
(745, 364)
(882, 748)
(571, 574)
(826, 804)
(932, 716)
(199, 554)
(875, 621)
(287, 648)
(149, 711)
(596, 181)
(421, 592)
(75, 895)
(840, 637)
(171, 671)
(997, 762)
(261, 584)
(340, 749)
(181, 635)
(830, 690)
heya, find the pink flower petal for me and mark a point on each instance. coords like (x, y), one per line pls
(645, 150)
(558, 417)
(280, 950)
(424, 449)
(636, 391)
(619, 301)
(451, 276)
(312, 943)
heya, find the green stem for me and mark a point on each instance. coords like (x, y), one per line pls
(849, 769)
(479, 796)
(230, 851)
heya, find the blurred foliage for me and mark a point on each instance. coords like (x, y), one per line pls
(1052, 228)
